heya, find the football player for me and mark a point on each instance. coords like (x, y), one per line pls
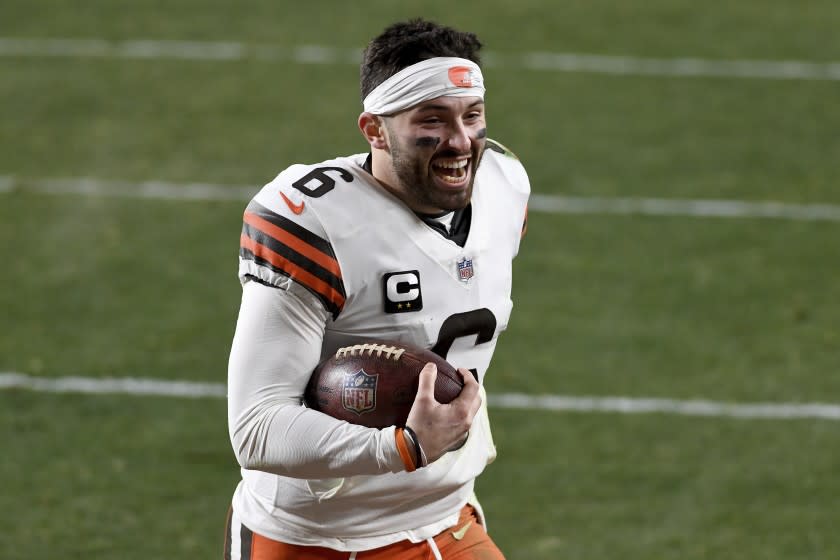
(412, 241)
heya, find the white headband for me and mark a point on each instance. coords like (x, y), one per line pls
(431, 78)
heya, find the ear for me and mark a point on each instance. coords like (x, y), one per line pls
(373, 130)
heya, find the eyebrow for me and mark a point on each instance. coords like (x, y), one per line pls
(435, 107)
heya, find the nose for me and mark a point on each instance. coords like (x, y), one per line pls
(459, 138)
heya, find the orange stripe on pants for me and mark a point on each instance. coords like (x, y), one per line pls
(466, 540)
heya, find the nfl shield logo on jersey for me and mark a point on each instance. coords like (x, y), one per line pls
(359, 392)
(465, 269)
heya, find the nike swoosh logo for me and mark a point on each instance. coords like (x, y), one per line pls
(296, 208)
(459, 534)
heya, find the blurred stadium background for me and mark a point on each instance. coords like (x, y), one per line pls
(652, 320)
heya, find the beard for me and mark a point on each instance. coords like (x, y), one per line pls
(412, 167)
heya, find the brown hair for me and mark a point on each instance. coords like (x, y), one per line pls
(405, 43)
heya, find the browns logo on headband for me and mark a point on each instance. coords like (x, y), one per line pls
(428, 79)
(461, 76)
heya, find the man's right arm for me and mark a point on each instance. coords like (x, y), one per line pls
(276, 346)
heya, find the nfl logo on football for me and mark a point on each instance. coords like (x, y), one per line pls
(359, 392)
(465, 269)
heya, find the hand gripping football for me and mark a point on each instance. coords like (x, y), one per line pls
(374, 384)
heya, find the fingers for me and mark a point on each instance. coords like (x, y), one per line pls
(468, 376)
(470, 391)
(442, 427)
(426, 380)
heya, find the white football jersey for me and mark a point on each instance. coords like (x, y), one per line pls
(383, 273)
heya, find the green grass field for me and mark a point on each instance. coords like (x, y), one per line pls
(727, 309)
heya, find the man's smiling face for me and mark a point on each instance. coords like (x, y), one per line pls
(435, 148)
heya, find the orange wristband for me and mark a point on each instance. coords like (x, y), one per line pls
(405, 454)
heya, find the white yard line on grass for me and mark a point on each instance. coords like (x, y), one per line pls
(620, 405)
(685, 207)
(111, 385)
(556, 204)
(320, 54)
(155, 190)
(7, 184)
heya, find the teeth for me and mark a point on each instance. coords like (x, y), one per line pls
(451, 164)
(451, 171)
(450, 179)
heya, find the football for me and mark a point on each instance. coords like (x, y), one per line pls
(374, 384)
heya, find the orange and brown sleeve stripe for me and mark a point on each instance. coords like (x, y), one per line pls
(285, 247)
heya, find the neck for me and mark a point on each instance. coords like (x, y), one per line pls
(383, 172)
